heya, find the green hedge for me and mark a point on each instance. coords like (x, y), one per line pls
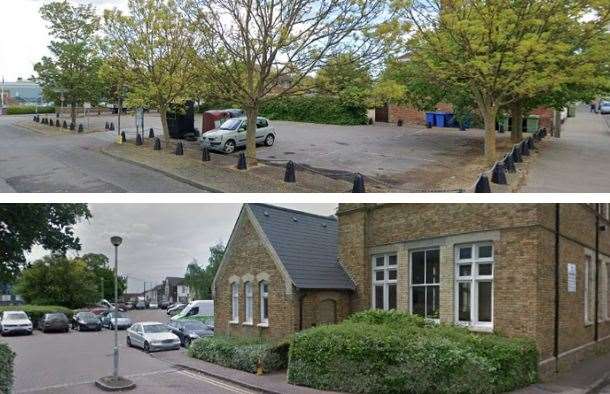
(29, 110)
(35, 312)
(372, 353)
(241, 353)
(314, 109)
(7, 357)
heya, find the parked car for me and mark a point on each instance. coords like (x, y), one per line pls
(189, 330)
(232, 134)
(54, 322)
(83, 321)
(604, 107)
(164, 305)
(153, 305)
(15, 322)
(174, 310)
(140, 305)
(202, 309)
(152, 336)
(122, 321)
(213, 119)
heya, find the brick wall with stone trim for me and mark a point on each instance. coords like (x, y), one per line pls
(249, 259)
(314, 299)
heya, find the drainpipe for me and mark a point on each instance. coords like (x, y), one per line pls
(596, 330)
(556, 325)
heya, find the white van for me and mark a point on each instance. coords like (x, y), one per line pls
(199, 309)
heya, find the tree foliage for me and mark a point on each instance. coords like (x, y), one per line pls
(99, 265)
(199, 279)
(345, 76)
(24, 225)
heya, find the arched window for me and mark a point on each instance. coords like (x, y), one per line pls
(264, 302)
(248, 297)
(234, 302)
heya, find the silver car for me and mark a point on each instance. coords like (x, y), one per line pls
(152, 336)
(232, 133)
(604, 107)
(15, 322)
(119, 318)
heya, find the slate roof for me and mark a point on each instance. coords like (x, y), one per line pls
(306, 244)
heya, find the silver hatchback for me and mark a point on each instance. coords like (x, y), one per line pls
(232, 134)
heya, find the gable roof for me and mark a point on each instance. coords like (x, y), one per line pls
(306, 245)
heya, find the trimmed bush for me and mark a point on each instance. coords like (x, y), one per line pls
(7, 357)
(35, 312)
(315, 109)
(393, 352)
(245, 354)
(26, 110)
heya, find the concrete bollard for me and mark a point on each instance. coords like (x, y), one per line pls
(498, 174)
(205, 154)
(151, 133)
(123, 137)
(179, 149)
(290, 175)
(139, 139)
(509, 163)
(358, 184)
(157, 145)
(482, 185)
(242, 163)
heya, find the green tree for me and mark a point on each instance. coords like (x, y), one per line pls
(345, 76)
(199, 279)
(58, 280)
(99, 265)
(24, 225)
(71, 70)
(152, 48)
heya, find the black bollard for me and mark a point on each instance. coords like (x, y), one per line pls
(399, 123)
(81, 128)
(65, 125)
(525, 149)
(517, 154)
(530, 143)
(151, 133)
(111, 128)
(34, 119)
(482, 185)
(242, 163)
(544, 133)
(72, 126)
(498, 174)
(123, 137)
(57, 124)
(290, 175)
(139, 139)
(509, 163)
(107, 126)
(205, 154)
(358, 184)
(179, 149)
(157, 145)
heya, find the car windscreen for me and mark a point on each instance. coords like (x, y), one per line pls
(155, 328)
(231, 124)
(194, 325)
(56, 316)
(87, 315)
(15, 316)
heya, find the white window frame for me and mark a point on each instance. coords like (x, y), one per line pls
(386, 282)
(263, 295)
(234, 302)
(424, 285)
(249, 304)
(589, 298)
(474, 279)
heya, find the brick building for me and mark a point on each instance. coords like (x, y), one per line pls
(490, 267)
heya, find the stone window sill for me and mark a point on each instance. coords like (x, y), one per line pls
(233, 322)
(477, 328)
(247, 323)
(263, 325)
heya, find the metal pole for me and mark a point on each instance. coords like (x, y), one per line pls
(102, 287)
(115, 372)
(120, 110)
(2, 97)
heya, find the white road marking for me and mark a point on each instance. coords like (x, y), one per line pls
(215, 382)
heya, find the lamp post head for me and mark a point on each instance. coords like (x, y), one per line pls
(116, 240)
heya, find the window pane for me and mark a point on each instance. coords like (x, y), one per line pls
(465, 269)
(464, 301)
(432, 302)
(392, 274)
(392, 259)
(485, 269)
(432, 266)
(379, 297)
(418, 267)
(466, 252)
(265, 308)
(379, 261)
(391, 296)
(484, 251)
(418, 294)
(379, 275)
(485, 301)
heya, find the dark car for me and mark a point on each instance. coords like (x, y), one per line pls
(189, 330)
(54, 322)
(86, 321)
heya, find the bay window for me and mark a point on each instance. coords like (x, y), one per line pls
(474, 273)
(425, 283)
(385, 275)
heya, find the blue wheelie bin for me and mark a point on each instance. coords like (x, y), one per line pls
(430, 118)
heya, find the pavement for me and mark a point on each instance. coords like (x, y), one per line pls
(578, 161)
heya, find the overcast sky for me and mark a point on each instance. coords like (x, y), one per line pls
(24, 36)
(161, 239)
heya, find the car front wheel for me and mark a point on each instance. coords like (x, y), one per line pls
(229, 146)
(187, 342)
(146, 347)
(128, 342)
(269, 140)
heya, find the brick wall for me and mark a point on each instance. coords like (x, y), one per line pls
(412, 115)
(314, 307)
(546, 117)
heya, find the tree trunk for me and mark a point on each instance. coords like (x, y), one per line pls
(251, 115)
(516, 133)
(557, 124)
(489, 117)
(164, 125)
(73, 113)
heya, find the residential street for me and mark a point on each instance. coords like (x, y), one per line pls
(34, 163)
(578, 161)
(70, 363)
